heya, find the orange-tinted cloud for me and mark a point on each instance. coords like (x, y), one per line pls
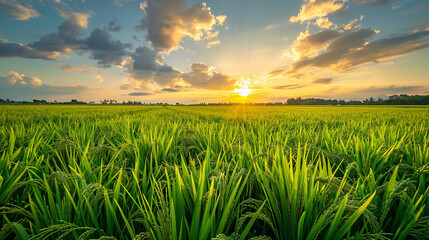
(313, 9)
(353, 48)
(17, 11)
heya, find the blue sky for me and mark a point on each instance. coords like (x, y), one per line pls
(194, 51)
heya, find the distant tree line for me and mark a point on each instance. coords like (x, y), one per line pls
(402, 99)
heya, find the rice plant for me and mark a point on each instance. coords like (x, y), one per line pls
(214, 172)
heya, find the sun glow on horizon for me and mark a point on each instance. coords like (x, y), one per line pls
(244, 86)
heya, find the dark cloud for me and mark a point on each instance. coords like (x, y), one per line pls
(8, 49)
(168, 21)
(352, 48)
(374, 3)
(145, 59)
(289, 87)
(50, 45)
(114, 26)
(170, 90)
(204, 76)
(100, 44)
(139, 94)
(54, 43)
(147, 65)
(75, 24)
(17, 11)
(322, 80)
(310, 44)
(166, 75)
(65, 39)
(103, 48)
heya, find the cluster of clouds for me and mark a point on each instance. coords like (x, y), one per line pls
(14, 84)
(146, 66)
(20, 79)
(343, 48)
(100, 44)
(317, 11)
(166, 23)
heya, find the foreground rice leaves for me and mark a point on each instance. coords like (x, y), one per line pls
(225, 172)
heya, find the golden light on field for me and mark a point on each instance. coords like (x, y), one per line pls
(244, 86)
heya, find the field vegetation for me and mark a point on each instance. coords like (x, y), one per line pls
(214, 172)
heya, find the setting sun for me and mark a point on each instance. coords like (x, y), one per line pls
(244, 86)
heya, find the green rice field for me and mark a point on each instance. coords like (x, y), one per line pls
(214, 172)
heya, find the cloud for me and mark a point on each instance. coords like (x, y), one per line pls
(289, 87)
(205, 77)
(17, 11)
(99, 44)
(322, 80)
(103, 48)
(69, 68)
(139, 94)
(272, 26)
(213, 43)
(114, 26)
(374, 3)
(146, 65)
(75, 24)
(307, 45)
(8, 49)
(297, 76)
(65, 39)
(49, 46)
(352, 48)
(18, 86)
(99, 78)
(146, 59)
(20, 79)
(313, 9)
(170, 90)
(276, 72)
(352, 24)
(168, 21)
(323, 22)
(119, 2)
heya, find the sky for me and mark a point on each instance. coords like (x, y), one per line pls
(190, 51)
